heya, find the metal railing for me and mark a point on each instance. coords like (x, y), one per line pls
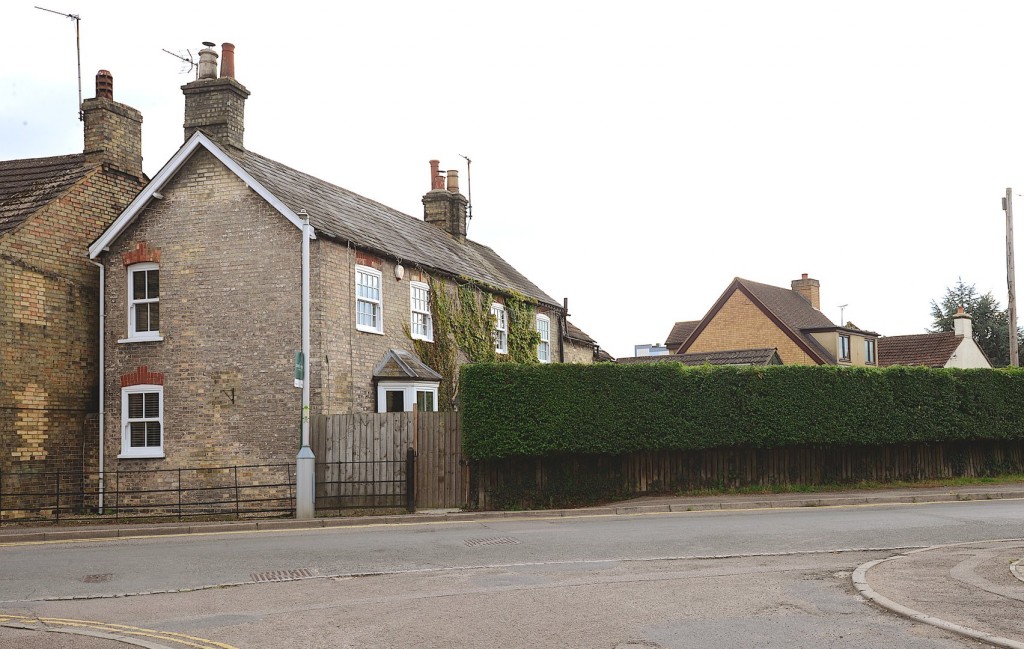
(367, 484)
(234, 492)
(240, 491)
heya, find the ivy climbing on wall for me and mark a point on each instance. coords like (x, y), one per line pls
(463, 333)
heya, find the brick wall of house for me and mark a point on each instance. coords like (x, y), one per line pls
(343, 373)
(578, 352)
(741, 325)
(230, 282)
(48, 326)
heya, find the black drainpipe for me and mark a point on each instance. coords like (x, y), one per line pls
(563, 330)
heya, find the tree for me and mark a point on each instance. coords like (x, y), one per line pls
(989, 322)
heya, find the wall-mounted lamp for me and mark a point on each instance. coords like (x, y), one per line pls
(158, 196)
(399, 272)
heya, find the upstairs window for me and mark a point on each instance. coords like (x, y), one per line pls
(421, 325)
(368, 300)
(500, 328)
(142, 421)
(869, 351)
(144, 301)
(544, 346)
(844, 347)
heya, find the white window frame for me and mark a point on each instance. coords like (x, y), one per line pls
(544, 346)
(849, 349)
(413, 312)
(378, 304)
(127, 450)
(500, 333)
(134, 335)
(409, 389)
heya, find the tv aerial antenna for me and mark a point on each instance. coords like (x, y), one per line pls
(469, 186)
(78, 49)
(188, 63)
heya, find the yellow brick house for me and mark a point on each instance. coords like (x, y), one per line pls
(752, 315)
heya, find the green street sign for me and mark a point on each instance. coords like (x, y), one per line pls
(300, 366)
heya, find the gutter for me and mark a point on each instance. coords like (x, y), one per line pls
(103, 283)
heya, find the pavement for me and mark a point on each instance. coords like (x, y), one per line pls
(973, 589)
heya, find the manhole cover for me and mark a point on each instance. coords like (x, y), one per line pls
(97, 579)
(497, 540)
(282, 575)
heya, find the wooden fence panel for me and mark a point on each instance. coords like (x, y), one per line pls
(647, 472)
(367, 444)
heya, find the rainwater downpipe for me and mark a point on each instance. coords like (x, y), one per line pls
(563, 330)
(103, 284)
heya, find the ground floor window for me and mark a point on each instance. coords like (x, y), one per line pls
(405, 396)
(142, 421)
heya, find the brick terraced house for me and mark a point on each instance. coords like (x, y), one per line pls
(754, 316)
(202, 297)
(51, 209)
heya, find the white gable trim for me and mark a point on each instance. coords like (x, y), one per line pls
(168, 172)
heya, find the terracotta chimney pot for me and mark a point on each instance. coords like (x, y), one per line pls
(436, 179)
(104, 85)
(227, 60)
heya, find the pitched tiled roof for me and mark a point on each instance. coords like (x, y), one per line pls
(575, 333)
(788, 309)
(340, 214)
(930, 350)
(767, 356)
(28, 184)
(680, 332)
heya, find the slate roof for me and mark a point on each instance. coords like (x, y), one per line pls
(402, 364)
(27, 185)
(766, 356)
(342, 215)
(930, 350)
(680, 332)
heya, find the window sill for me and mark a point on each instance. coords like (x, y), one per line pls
(423, 338)
(142, 339)
(155, 455)
(369, 331)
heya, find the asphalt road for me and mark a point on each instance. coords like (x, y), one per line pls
(766, 578)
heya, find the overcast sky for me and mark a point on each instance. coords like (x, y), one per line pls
(633, 157)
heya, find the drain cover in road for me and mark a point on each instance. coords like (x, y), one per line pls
(97, 579)
(282, 575)
(497, 540)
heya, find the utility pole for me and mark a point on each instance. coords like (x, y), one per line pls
(1012, 300)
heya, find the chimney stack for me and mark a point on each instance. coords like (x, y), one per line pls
(445, 207)
(962, 323)
(809, 289)
(216, 106)
(113, 131)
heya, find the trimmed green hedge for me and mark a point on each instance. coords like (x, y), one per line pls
(534, 410)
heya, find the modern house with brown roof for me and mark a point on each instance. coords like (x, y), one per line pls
(955, 348)
(203, 276)
(750, 315)
(51, 209)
